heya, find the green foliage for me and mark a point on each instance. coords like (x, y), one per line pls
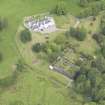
(86, 56)
(90, 81)
(103, 50)
(102, 24)
(53, 56)
(54, 47)
(99, 63)
(60, 39)
(38, 47)
(100, 39)
(53, 51)
(25, 36)
(84, 3)
(60, 9)
(20, 66)
(79, 34)
(93, 9)
(85, 83)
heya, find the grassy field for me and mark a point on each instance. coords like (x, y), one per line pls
(14, 11)
(33, 87)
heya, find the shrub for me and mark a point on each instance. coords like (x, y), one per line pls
(60, 39)
(53, 56)
(60, 9)
(79, 34)
(25, 36)
(54, 47)
(99, 63)
(38, 47)
(99, 38)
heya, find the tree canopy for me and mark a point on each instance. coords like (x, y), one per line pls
(60, 8)
(25, 36)
(78, 33)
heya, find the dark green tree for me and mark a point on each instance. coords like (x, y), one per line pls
(93, 9)
(87, 84)
(60, 9)
(79, 34)
(25, 36)
(37, 47)
(100, 39)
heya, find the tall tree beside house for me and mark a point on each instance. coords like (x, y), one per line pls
(60, 9)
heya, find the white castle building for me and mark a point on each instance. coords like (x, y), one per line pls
(45, 25)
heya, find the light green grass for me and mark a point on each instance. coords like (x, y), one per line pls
(14, 11)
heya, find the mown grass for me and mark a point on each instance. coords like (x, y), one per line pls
(14, 11)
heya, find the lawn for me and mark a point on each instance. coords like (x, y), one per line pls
(14, 11)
